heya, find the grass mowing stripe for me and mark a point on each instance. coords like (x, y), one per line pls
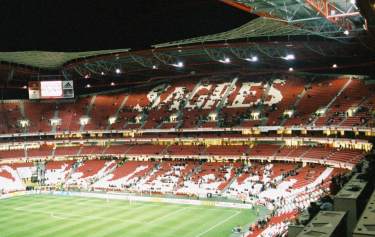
(28, 229)
(220, 223)
(38, 220)
(48, 206)
(107, 221)
(90, 223)
(186, 220)
(65, 225)
(181, 222)
(44, 216)
(155, 213)
(205, 221)
(150, 214)
(167, 215)
(61, 216)
(100, 228)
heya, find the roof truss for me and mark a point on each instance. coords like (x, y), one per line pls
(339, 15)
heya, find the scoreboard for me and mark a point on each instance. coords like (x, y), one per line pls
(51, 90)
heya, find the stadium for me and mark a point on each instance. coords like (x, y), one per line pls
(265, 129)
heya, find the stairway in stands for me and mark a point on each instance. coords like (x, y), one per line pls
(328, 106)
(87, 112)
(118, 110)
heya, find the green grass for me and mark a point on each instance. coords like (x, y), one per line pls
(62, 216)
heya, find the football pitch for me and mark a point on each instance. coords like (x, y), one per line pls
(64, 216)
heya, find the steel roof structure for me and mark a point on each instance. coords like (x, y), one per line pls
(210, 58)
(334, 19)
(50, 60)
(285, 27)
(320, 16)
(260, 27)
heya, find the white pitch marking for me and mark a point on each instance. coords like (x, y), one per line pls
(75, 217)
(220, 223)
(57, 217)
(167, 215)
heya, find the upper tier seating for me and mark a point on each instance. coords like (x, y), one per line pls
(290, 90)
(185, 150)
(9, 115)
(42, 151)
(104, 107)
(66, 151)
(227, 150)
(264, 150)
(91, 150)
(352, 96)
(146, 149)
(12, 154)
(117, 149)
(39, 115)
(192, 100)
(317, 95)
(70, 114)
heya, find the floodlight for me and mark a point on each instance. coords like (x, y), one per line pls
(55, 121)
(84, 120)
(112, 119)
(178, 64)
(225, 60)
(24, 123)
(289, 57)
(252, 59)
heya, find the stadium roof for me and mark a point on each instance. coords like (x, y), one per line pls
(210, 58)
(50, 60)
(311, 53)
(260, 27)
(320, 16)
(270, 37)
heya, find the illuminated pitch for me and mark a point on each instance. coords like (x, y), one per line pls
(61, 216)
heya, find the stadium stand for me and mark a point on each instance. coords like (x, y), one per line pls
(24, 170)
(287, 186)
(214, 121)
(337, 101)
(10, 181)
(88, 171)
(57, 171)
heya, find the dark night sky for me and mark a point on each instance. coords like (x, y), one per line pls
(79, 25)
